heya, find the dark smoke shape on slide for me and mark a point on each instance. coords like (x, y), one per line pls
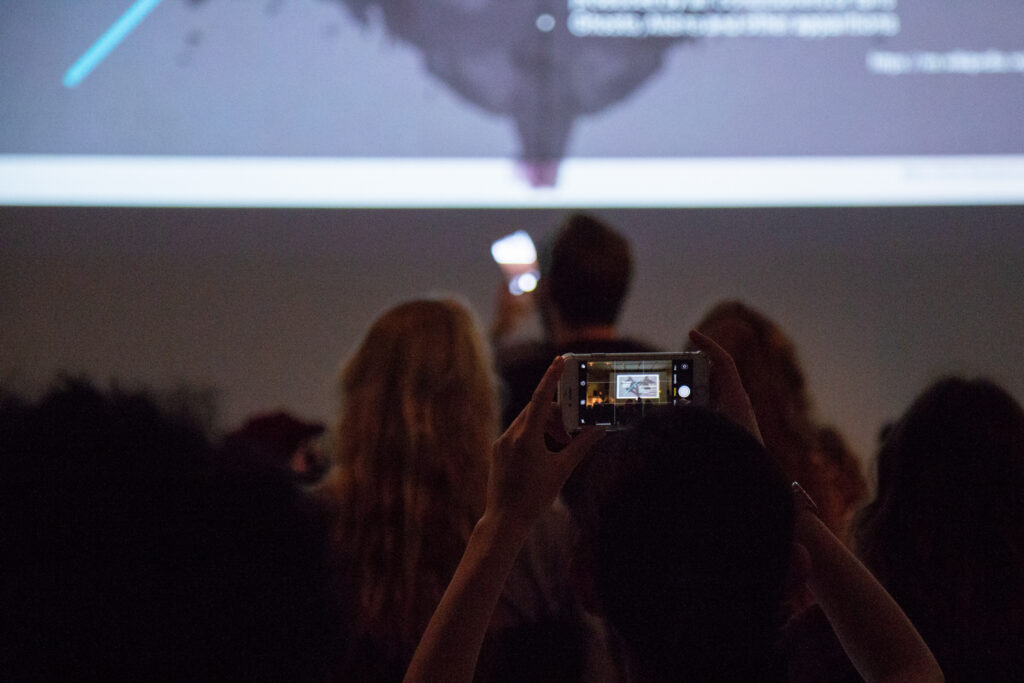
(491, 53)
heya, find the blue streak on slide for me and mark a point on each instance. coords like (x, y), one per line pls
(108, 41)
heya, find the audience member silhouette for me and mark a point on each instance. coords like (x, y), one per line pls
(768, 366)
(131, 552)
(687, 544)
(945, 533)
(585, 276)
(686, 528)
(417, 419)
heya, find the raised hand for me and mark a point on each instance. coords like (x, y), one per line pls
(526, 471)
(526, 476)
(727, 393)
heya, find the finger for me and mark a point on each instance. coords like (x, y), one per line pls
(537, 409)
(726, 385)
(544, 394)
(583, 441)
(554, 427)
(724, 373)
(709, 346)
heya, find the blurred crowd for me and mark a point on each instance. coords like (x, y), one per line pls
(445, 526)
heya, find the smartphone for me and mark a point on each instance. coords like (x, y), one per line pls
(615, 389)
(517, 257)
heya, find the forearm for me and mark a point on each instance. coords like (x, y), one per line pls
(525, 477)
(875, 633)
(451, 644)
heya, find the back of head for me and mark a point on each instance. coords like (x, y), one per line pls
(767, 363)
(420, 383)
(948, 519)
(418, 415)
(586, 273)
(686, 525)
(129, 551)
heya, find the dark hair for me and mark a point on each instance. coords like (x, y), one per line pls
(945, 533)
(686, 523)
(587, 271)
(767, 362)
(128, 550)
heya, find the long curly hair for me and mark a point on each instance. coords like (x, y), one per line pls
(945, 533)
(417, 418)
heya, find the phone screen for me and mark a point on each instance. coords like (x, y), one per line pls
(615, 393)
(517, 257)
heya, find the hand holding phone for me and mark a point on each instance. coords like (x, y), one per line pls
(726, 389)
(517, 257)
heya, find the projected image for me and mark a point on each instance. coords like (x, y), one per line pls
(637, 387)
(512, 102)
(619, 392)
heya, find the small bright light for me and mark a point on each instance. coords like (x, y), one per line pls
(545, 23)
(516, 248)
(528, 282)
(684, 391)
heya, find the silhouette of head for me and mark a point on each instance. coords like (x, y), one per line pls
(945, 533)
(586, 273)
(685, 536)
(130, 551)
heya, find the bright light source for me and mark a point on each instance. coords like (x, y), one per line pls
(516, 248)
(527, 282)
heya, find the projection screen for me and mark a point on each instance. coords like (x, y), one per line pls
(511, 103)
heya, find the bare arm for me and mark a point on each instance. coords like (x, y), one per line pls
(875, 633)
(525, 478)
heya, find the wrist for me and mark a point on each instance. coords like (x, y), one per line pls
(501, 529)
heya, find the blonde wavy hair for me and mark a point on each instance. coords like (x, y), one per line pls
(417, 418)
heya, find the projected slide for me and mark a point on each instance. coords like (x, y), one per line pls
(511, 102)
(637, 387)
